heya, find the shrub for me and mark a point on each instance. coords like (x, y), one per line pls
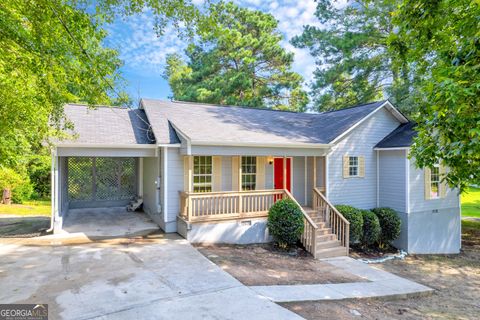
(390, 224)
(355, 217)
(371, 228)
(39, 171)
(285, 222)
(19, 185)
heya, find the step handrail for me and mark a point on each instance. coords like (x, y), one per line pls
(309, 235)
(307, 217)
(336, 221)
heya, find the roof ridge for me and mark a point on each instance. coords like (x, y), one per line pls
(97, 106)
(204, 104)
(355, 106)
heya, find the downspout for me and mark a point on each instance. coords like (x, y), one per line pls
(52, 189)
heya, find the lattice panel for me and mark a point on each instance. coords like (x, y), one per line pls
(101, 178)
(115, 178)
(80, 179)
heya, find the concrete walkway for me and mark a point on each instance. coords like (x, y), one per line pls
(160, 277)
(381, 284)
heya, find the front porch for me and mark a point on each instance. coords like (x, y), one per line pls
(210, 211)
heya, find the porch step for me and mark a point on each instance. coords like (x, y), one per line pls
(331, 252)
(328, 244)
(323, 231)
(326, 237)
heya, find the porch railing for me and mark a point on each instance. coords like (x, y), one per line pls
(225, 205)
(333, 219)
(211, 206)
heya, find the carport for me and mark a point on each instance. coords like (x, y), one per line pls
(110, 161)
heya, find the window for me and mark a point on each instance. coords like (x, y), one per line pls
(202, 174)
(249, 172)
(435, 182)
(353, 166)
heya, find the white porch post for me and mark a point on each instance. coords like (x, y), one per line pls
(140, 177)
(284, 172)
(165, 183)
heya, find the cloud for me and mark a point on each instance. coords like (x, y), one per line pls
(144, 53)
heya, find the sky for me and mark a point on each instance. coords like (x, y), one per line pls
(144, 53)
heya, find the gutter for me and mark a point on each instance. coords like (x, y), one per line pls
(261, 145)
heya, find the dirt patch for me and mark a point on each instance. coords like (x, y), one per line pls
(255, 265)
(456, 279)
(23, 227)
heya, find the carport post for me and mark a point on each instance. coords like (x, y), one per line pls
(140, 177)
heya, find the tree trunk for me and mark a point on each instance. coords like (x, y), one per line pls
(7, 196)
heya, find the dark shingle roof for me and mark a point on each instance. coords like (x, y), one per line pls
(402, 136)
(212, 123)
(108, 125)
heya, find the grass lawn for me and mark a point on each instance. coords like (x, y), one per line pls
(28, 208)
(471, 203)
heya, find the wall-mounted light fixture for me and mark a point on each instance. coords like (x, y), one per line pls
(270, 159)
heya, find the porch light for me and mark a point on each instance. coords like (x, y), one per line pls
(270, 159)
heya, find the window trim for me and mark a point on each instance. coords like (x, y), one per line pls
(204, 187)
(253, 175)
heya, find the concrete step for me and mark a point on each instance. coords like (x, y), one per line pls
(326, 237)
(328, 244)
(331, 252)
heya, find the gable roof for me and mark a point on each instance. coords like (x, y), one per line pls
(107, 125)
(229, 125)
(401, 137)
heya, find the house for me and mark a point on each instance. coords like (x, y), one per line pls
(211, 172)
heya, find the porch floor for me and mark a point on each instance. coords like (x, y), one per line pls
(108, 222)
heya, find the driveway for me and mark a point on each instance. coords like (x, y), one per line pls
(162, 277)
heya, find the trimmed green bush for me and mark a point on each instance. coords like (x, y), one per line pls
(355, 217)
(371, 228)
(390, 224)
(285, 222)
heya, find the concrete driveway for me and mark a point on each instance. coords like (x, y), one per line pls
(163, 277)
(98, 223)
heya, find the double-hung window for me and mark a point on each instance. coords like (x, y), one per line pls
(435, 182)
(202, 174)
(249, 172)
(353, 167)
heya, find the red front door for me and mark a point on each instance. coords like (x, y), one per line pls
(279, 173)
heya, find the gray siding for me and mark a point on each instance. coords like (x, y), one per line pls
(298, 179)
(175, 185)
(227, 173)
(359, 192)
(417, 194)
(392, 179)
(150, 196)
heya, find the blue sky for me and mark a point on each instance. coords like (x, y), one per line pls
(144, 53)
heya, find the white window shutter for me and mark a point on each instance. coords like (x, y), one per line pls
(428, 186)
(346, 162)
(361, 166)
(217, 173)
(235, 173)
(260, 175)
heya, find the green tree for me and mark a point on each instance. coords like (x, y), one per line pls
(237, 60)
(353, 62)
(51, 53)
(443, 40)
